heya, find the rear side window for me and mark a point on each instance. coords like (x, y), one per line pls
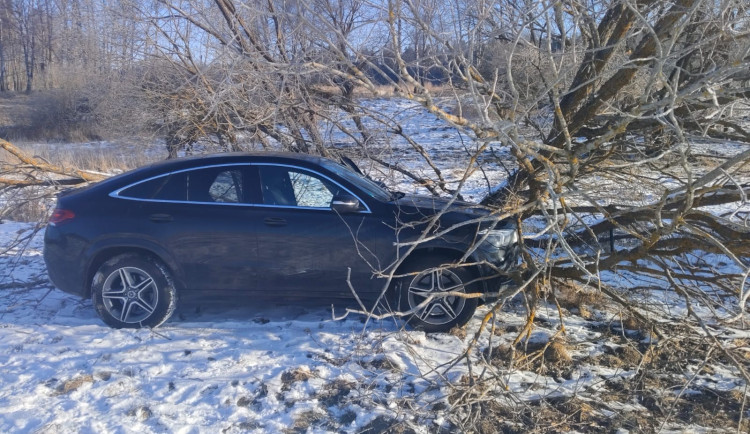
(168, 187)
(206, 185)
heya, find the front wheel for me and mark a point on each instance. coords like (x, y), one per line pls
(418, 289)
(133, 291)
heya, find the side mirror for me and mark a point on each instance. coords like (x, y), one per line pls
(344, 203)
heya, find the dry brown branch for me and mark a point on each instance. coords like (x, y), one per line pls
(76, 174)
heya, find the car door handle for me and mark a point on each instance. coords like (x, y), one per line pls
(274, 221)
(160, 218)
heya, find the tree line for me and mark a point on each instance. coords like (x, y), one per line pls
(47, 44)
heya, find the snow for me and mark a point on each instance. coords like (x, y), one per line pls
(269, 366)
(263, 366)
(218, 368)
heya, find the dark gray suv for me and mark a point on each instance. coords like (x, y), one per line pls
(270, 224)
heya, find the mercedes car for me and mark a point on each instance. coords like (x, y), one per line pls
(278, 225)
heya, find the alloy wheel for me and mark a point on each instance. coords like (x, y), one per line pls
(130, 295)
(440, 309)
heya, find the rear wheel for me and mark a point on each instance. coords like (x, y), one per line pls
(418, 289)
(133, 291)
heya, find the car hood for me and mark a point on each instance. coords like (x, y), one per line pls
(429, 205)
(462, 220)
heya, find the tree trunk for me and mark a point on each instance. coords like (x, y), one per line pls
(3, 86)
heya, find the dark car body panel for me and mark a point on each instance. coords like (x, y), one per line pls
(244, 248)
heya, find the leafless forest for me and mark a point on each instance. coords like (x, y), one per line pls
(626, 125)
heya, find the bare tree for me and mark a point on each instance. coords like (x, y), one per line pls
(609, 137)
(619, 86)
(610, 142)
(610, 111)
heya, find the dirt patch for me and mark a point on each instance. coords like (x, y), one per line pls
(142, 413)
(565, 414)
(254, 401)
(629, 322)
(103, 375)
(334, 394)
(385, 424)
(623, 356)
(381, 363)
(247, 425)
(335, 361)
(500, 355)
(304, 421)
(712, 408)
(675, 355)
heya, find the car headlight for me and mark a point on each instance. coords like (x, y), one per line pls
(498, 238)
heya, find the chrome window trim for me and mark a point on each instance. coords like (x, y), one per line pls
(116, 194)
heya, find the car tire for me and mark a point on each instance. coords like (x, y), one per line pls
(133, 291)
(426, 275)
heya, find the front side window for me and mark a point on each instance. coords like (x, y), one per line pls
(310, 191)
(291, 187)
(367, 185)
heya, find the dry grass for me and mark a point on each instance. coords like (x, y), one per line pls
(532, 355)
(304, 421)
(73, 384)
(459, 332)
(556, 352)
(33, 203)
(50, 115)
(28, 204)
(110, 159)
(577, 298)
(288, 378)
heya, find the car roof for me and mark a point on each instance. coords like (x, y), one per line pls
(175, 164)
(223, 158)
(233, 157)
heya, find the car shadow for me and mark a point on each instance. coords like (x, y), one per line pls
(274, 312)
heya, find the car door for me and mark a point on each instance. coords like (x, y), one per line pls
(204, 219)
(307, 249)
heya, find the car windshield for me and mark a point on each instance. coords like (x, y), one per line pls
(367, 185)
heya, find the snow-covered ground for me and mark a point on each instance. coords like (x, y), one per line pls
(270, 366)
